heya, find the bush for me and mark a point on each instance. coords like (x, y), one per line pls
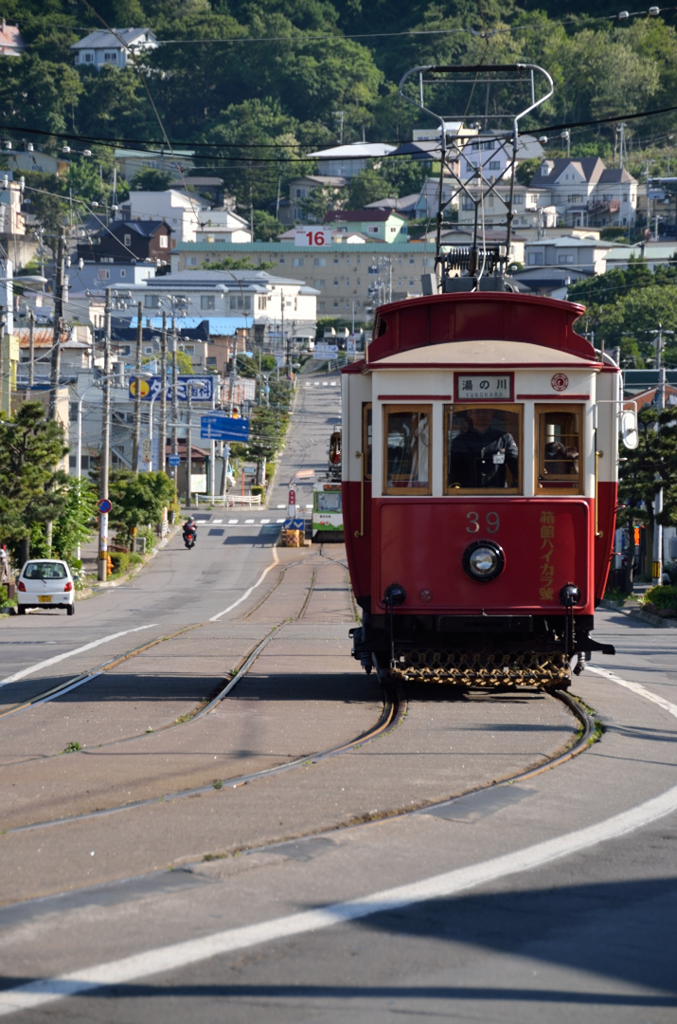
(270, 470)
(149, 533)
(120, 560)
(662, 601)
(135, 558)
(258, 489)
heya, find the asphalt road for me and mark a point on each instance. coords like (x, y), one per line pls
(542, 901)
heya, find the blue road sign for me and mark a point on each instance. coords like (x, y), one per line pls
(201, 388)
(217, 427)
(104, 506)
(173, 460)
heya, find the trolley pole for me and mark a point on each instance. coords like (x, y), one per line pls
(136, 440)
(189, 442)
(163, 396)
(105, 442)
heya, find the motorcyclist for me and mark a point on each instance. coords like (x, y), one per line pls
(190, 529)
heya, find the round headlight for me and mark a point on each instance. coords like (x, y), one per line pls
(483, 561)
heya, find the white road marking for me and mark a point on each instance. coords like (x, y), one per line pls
(636, 688)
(264, 521)
(243, 598)
(247, 521)
(69, 654)
(279, 520)
(232, 522)
(280, 506)
(333, 384)
(217, 520)
(181, 954)
(325, 384)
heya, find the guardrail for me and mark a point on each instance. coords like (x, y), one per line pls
(229, 500)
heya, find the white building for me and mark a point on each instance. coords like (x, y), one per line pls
(253, 297)
(347, 161)
(581, 254)
(112, 49)
(181, 212)
(486, 152)
(587, 193)
(532, 207)
(222, 225)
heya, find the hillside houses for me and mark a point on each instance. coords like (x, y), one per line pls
(103, 48)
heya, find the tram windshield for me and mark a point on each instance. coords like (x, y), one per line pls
(327, 501)
(407, 450)
(482, 448)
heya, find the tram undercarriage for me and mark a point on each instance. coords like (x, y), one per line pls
(501, 651)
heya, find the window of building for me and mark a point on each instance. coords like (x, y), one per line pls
(336, 305)
(535, 259)
(151, 301)
(412, 260)
(207, 302)
(262, 301)
(110, 57)
(467, 203)
(565, 257)
(518, 199)
(298, 261)
(559, 445)
(189, 349)
(494, 165)
(321, 305)
(483, 444)
(407, 449)
(336, 282)
(373, 228)
(366, 439)
(128, 240)
(241, 302)
(488, 145)
(336, 259)
(72, 412)
(281, 259)
(164, 244)
(88, 57)
(123, 273)
(320, 261)
(147, 350)
(103, 275)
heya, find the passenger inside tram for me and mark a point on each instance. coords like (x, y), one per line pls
(483, 451)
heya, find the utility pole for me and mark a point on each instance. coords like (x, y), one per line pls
(175, 402)
(60, 274)
(163, 396)
(189, 442)
(31, 348)
(657, 560)
(105, 441)
(136, 439)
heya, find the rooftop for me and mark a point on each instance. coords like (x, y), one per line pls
(125, 37)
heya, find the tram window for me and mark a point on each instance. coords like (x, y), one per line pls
(366, 439)
(482, 448)
(327, 501)
(407, 455)
(559, 444)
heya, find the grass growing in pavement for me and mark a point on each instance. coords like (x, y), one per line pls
(71, 747)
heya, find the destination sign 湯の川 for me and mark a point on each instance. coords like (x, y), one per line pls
(479, 387)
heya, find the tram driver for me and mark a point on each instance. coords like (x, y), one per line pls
(480, 452)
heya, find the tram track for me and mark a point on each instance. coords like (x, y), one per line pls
(393, 712)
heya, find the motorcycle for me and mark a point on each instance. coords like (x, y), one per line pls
(189, 538)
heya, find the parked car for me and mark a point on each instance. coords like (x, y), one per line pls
(45, 583)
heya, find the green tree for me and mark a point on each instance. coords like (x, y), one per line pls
(31, 485)
(266, 227)
(138, 500)
(233, 263)
(151, 180)
(75, 524)
(636, 317)
(320, 200)
(44, 201)
(367, 187)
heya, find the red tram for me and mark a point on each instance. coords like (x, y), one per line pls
(479, 488)
(480, 436)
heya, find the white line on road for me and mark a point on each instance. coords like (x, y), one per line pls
(279, 520)
(69, 654)
(636, 688)
(264, 521)
(181, 954)
(217, 520)
(232, 522)
(248, 592)
(247, 521)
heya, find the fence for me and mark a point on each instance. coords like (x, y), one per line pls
(229, 500)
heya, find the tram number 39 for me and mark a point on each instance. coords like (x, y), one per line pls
(491, 522)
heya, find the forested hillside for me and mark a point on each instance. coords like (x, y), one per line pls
(258, 84)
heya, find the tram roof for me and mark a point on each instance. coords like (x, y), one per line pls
(456, 317)
(495, 353)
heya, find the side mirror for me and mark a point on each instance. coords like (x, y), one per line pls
(629, 433)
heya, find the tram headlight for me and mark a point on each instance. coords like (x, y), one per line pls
(483, 561)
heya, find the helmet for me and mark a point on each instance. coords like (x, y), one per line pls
(191, 519)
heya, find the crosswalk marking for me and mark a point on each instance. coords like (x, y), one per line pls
(249, 521)
(217, 520)
(263, 521)
(279, 520)
(232, 522)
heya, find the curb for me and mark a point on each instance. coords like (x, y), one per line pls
(637, 613)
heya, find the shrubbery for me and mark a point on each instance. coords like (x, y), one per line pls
(661, 601)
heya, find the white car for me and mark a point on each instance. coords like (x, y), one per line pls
(45, 583)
